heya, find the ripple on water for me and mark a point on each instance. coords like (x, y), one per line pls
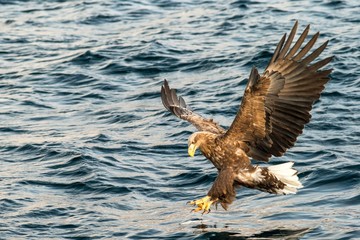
(89, 152)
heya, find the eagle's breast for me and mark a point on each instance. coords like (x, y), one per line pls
(222, 154)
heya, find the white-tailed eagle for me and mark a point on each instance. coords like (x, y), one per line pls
(274, 109)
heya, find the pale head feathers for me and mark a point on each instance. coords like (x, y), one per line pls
(199, 138)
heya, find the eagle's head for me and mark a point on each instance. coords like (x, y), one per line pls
(199, 140)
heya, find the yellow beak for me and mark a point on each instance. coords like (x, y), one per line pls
(191, 150)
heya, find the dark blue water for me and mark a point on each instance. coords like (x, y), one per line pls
(87, 151)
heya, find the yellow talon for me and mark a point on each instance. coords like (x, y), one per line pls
(202, 204)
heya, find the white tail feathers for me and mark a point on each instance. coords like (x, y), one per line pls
(287, 175)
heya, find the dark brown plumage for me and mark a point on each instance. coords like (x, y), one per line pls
(274, 110)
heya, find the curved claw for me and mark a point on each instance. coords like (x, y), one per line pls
(202, 204)
(206, 211)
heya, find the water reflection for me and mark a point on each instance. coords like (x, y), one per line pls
(211, 232)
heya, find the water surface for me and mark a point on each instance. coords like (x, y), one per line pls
(89, 152)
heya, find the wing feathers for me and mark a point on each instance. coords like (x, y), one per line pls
(277, 105)
(277, 50)
(298, 43)
(307, 47)
(314, 54)
(177, 106)
(288, 41)
(182, 102)
(320, 64)
(253, 78)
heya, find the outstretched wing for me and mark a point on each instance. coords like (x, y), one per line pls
(177, 106)
(277, 104)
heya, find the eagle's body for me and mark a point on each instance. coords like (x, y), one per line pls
(221, 153)
(275, 107)
(235, 169)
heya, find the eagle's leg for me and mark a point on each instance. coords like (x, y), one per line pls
(203, 204)
(222, 191)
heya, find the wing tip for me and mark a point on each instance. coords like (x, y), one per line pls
(165, 93)
(171, 101)
(254, 77)
(165, 82)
